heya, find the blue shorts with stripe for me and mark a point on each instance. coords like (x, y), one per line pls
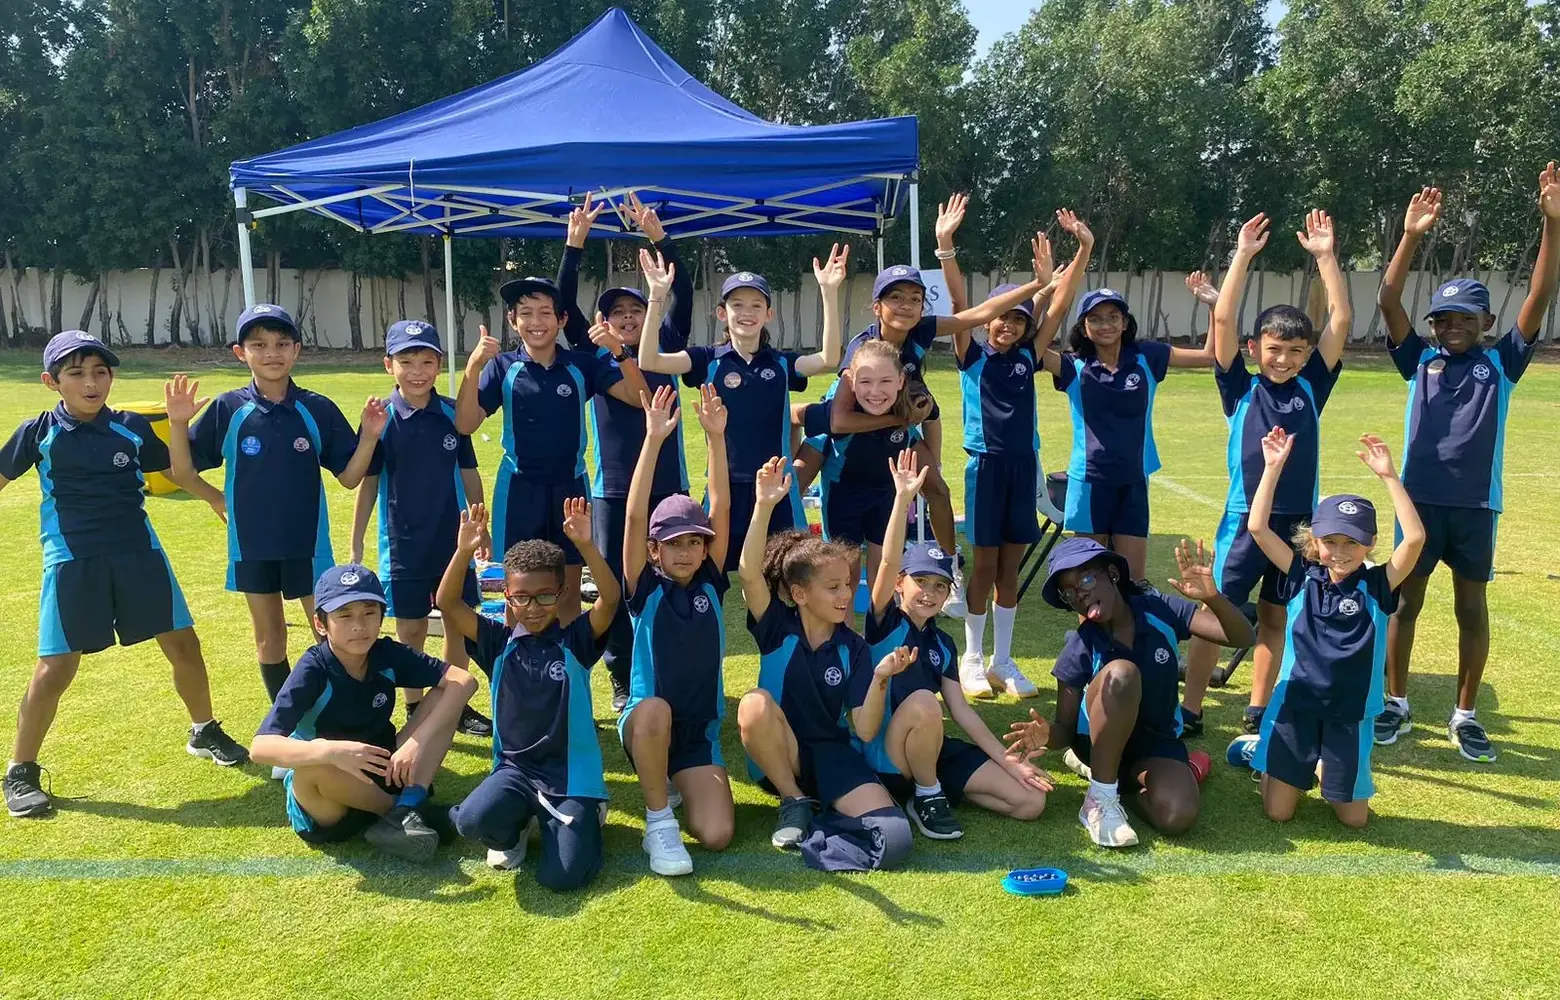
(854, 516)
(353, 823)
(999, 500)
(292, 578)
(1106, 508)
(829, 771)
(1239, 564)
(1292, 743)
(1461, 537)
(412, 597)
(957, 763)
(693, 744)
(787, 516)
(524, 510)
(86, 602)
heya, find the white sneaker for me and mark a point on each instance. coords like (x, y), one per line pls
(1005, 675)
(955, 606)
(1106, 822)
(972, 676)
(668, 856)
(506, 860)
(1075, 764)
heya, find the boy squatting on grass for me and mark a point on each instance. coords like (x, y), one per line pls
(104, 570)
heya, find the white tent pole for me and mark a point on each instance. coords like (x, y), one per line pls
(915, 224)
(450, 338)
(245, 254)
(880, 249)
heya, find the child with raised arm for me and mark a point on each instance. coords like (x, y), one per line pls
(1297, 368)
(904, 741)
(799, 593)
(1329, 685)
(1455, 426)
(273, 437)
(672, 561)
(754, 380)
(546, 761)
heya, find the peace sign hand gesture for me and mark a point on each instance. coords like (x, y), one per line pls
(581, 219)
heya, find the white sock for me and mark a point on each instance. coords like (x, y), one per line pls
(1461, 715)
(196, 727)
(1400, 703)
(656, 815)
(1102, 791)
(975, 634)
(1002, 632)
(926, 791)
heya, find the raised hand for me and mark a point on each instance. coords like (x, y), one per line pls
(645, 218)
(950, 215)
(908, 480)
(1201, 288)
(895, 662)
(1377, 456)
(1317, 239)
(602, 335)
(180, 400)
(1028, 739)
(658, 273)
(1040, 257)
(486, 350)
(712, 411)
(1424, 209)
(581, 219)
(1196, 566)
(1253, 235)
(1077, 227)
(1549, 191)
(832, 275)
(472, 534)
(576, 521)
(375, 417)
(1276, 445)
(772, 483)
(660, 415)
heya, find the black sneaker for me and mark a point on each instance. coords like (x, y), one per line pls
(24, 795)
(1392, 723)
(1251, 721)
(403, 833)
(1467, 736)
(1191, 723)
(437, 818)
(933, 816)
(216, 746)
(474, 723)
(795, 816)
(619, 694)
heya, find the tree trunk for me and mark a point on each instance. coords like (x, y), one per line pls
(180, 284)
(91, 306)
(273, 275)
(108, 333)
(18, 317)
(354, 311)
(57, 300)
(151, 305)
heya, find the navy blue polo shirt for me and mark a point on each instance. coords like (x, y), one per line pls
(418, 461)
(912, 353)
(1113, 413)
(679, 643)
(1455, 423)
(856, 460)
(90, 473)
(812, 686)
(937, 659)
(757, 395)
(272, 453)
(544, 409)
(1253, 405)
(321, 700)
(999, 400)
(1335, 641)
(1160, 623)
(619, 430)
(542, 719)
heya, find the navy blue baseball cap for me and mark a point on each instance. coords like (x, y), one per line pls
(267, 313)
(926, 559)
(1099, 297)
(679, 514)
(746, 279)
(1027, 306)
(341, 585)
(1345, 514)
(609, 299)
(899, 274)
(63, 345)
(1071, 554)
(514, 290)
(1463, 295)
(410, 334)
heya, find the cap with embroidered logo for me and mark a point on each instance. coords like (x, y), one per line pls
(518, 288)
(410, 334)
(1099, 297)
(341, 585)
(63, 345)
(1463, 295)
(1345, 514)
(267, 314)
(746, 279)
(899, 274)
(610, 297)
(1027, 306)
(927, 559)
(679, 514)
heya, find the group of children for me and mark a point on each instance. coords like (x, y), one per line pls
(845, 729)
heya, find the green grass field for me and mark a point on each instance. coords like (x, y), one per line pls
(160, 875)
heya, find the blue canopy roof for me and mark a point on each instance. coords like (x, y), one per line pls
(608, 112)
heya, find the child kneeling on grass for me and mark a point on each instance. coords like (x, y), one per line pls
(546, 761)
(348, 770)
(1330, 682)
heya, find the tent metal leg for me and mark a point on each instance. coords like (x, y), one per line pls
(880, 253)
(915, 224)
(246, 262)
(450, 338)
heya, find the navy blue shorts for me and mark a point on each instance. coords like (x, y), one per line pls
(411, 598)
(956, 765)
(524, 511)
(1141, 747)
(1240, 564)
(693, 744)
(354, 823)
(999, 500)
(830, 771)
(1461, 537)
(84, 603)
(292, 578)
(1106, 508)
(853, 515)
(785, 517)
(1293, 742)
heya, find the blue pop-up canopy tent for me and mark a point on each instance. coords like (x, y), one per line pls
(608, 112)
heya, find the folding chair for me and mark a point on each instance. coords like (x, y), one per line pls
(1050, 501)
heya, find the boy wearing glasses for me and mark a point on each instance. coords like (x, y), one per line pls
(546, 761)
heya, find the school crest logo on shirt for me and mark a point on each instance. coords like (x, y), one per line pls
(1348, 507)
(898, 437)
(250, 445)
(767, 374)
(1298, 404)
(1161, 656)
(935, 657)
(1134, 380)
(910, 368)
(449, 442)
(1020, 369)
(701, 604)
(1481, 372)
(121, 460)
(380, 699)
(300, 444)
(556, 671)
(732, 380)
(1348, 606)
(833, 676)
(565, 390)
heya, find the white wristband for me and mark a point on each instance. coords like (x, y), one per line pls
(946, 254)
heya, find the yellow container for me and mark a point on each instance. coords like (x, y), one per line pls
(157, 484)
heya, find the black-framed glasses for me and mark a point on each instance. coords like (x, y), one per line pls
(1085, 582)
(546, 600)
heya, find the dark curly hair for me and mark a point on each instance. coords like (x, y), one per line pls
(1285, 323)
(792, 558)
(534, 556)
(1079, 343)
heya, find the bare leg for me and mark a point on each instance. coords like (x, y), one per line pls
(1470, 601)
(768, 739)
(1202, 658)
(982, 579)
(326, 793)
(1400, 633)
(435, 740)
(1268, 653)
(1280, 799)
(648, 733)
(1009, 555)
(270, 626)
(50, 678)
(707, 805)
(1113, 697)
(1134, 549)
(412, 632)
(992, 787)
(182, 648)
(1169, 797)
(915, 737)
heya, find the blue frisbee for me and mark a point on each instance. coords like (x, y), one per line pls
(1035, 881)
